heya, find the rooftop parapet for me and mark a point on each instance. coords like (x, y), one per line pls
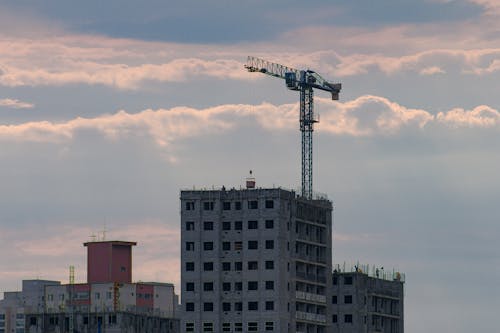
(371, 271)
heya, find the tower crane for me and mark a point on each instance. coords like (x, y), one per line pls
(303, 81)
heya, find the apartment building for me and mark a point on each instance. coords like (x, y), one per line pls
(255, 260)
(109, 301)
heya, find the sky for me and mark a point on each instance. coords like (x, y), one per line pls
(109, 109)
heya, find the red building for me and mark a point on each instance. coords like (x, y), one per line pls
(109, 261)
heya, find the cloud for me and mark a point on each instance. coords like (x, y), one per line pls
(15, 104)
(433, 70)
(364, 116)
(492, 7)
(434, 61)
(129, 64)
(480, 116)
(123, 76)
(371, 115)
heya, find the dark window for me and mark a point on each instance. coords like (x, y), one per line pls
(347, 279)
(189, 205)
(253, 204)
(189, 306)
(238, 246)
(226, 266)
(238, 225)
(226, 246)
(189, 266)
(208, 205)
(269, 224)
(208, 286)
(334, 299)
(253, 285)
(189, 286)
(226, 306)
(238, 306)
(348, 318)
(253, 224)
(226, 286)
(269, 264)
(253, 265)
(253, 306)
(348, 299)
(208, 225)
(335, 280)
(238, 266)
(269, 326)
(269, 305)
(269, 244)
(238, 286)
(237, 205)
(208, 246)
(226, 225)
(253, 245)
(334, 318)
(189, 246)
(269, 203)
(189, 225)
(226, 205)
(253, 327)
(269, 285)
(208, 306)
(208, 266)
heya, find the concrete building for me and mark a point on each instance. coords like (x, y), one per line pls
(367, 301)
(108, 302)
(255, 260)
(16, 304)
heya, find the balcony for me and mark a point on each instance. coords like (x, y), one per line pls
(311, 258)
(302, 295)
(311, 277)
(319, 318)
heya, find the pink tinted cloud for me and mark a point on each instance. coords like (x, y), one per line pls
(130, 64)
(364, 116)
(480, 116)
(15, 104)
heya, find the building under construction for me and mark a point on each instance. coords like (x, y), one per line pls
(255, 260)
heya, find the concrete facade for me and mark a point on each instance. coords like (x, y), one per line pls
(16, 304)
(110, 322)
(364, 303)
(150, 298)
(255, 260)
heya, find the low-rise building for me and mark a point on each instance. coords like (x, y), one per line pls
(16, 304)
(108, 302)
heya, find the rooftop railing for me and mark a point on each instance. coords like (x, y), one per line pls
(378, 272)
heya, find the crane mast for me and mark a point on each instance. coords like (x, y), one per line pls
(303, 81)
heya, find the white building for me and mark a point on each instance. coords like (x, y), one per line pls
(255, 260)
(16, 304)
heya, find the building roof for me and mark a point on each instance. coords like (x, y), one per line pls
(115, 242)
